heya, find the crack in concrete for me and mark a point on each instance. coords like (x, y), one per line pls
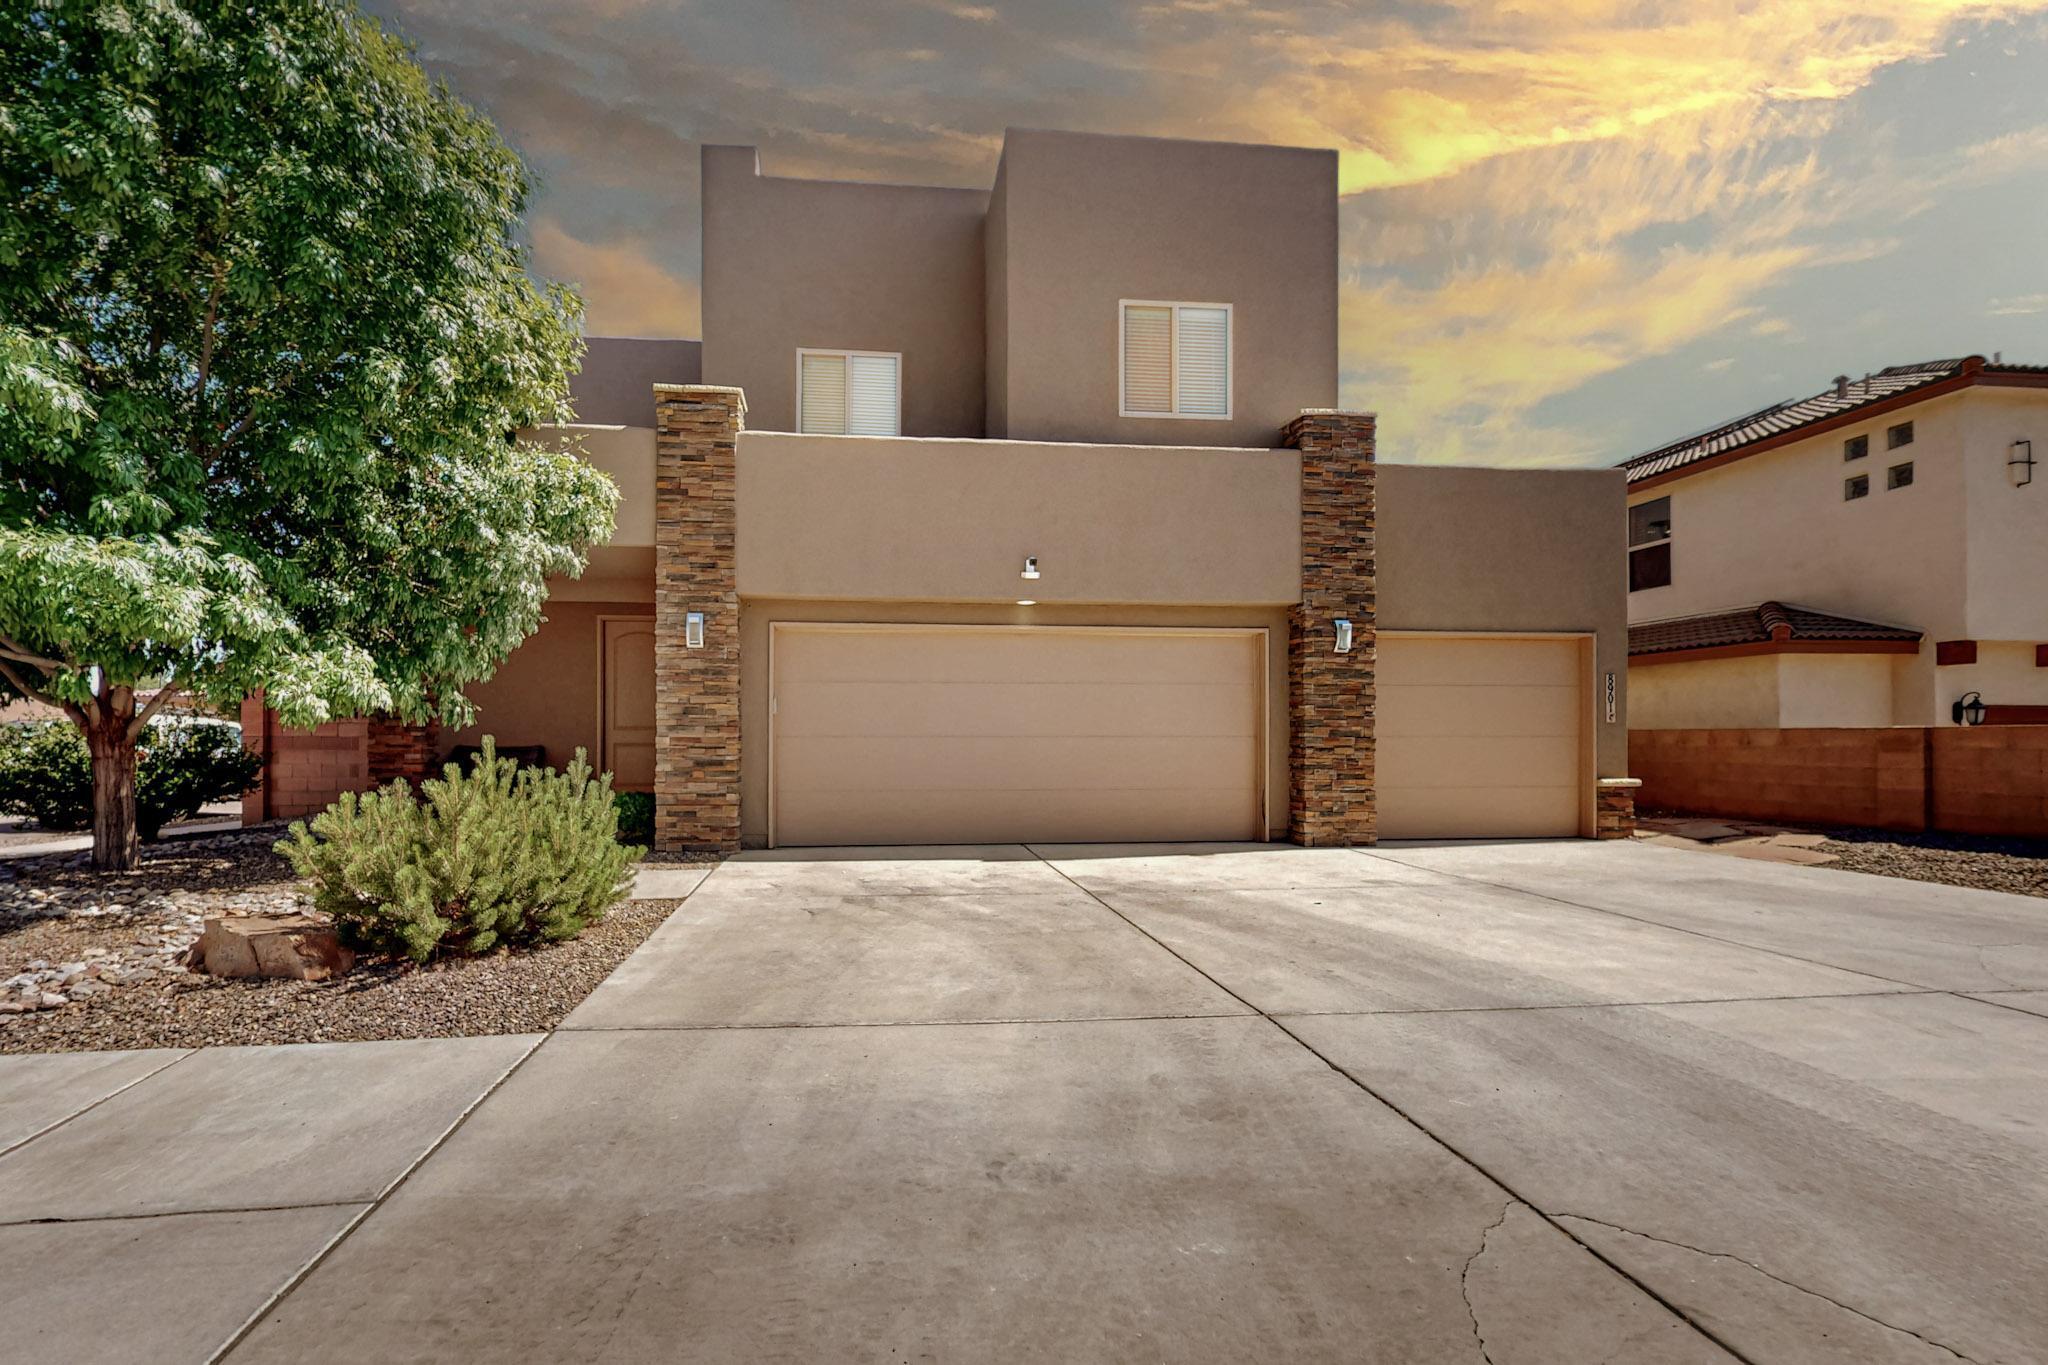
(1776, 1279)
(1988, 970)
(1465, 1278)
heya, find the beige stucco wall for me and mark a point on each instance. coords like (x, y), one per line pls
(1510, 550)
(757, 615)
(1774, 527)
(626, 453)
(2006, 527)
(1708, 694)
(1088, 220)
(546, 692)
(835, 265)
(1833, 689)
(935, 520)
(1959, 555)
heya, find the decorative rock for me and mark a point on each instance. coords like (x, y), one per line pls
(295, 946)
(50, 1000)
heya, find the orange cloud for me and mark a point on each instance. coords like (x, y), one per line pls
(625, 291)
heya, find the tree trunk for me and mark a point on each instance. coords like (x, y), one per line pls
(116, 843)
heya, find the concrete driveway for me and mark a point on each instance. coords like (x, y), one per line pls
(1476, 1103)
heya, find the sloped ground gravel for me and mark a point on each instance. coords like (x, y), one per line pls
(94, 961)
(1990, 864)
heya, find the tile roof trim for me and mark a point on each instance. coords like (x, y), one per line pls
(1982, 372)
(1777, 622)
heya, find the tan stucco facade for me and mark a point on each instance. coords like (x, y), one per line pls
(1960, 554)
(1511, 550)
(841, 266)
(547, 691)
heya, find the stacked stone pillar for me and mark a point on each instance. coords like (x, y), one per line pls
(1331, 799)
(697, 690)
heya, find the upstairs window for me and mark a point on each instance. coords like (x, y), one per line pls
(1175, 360)
(849, 393)
(1649, 544)
(1900, 435)
(1899, 476)
(1857, 487)
(1856, 447)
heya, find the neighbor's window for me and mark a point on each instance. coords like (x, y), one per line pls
(1856, 447)
(1175, 359)
(1649, 544)
(1900, 435)
(849, 393)
(1899, 475)
(1858, 487)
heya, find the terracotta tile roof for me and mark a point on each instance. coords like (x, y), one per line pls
(1843, 401)
(1755, 626)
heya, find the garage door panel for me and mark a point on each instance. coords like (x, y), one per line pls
(1460, 762)
(1024, 656)
(856, 767)
(965, 735)
(1479, 737)
(1143, 815)
(1482, 812)
(1014, 708)
(1449, 661)
(1479, 711)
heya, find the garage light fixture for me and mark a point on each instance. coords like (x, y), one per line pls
(1343, 635)
(1969, 709)
(2019, 464)
(693, 630)
(1030, 567)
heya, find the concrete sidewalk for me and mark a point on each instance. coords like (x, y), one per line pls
(1551, 1102)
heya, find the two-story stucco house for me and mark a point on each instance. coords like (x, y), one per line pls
(1870, 556)
(1025, 514)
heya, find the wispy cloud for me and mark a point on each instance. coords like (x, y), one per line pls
(625, 291)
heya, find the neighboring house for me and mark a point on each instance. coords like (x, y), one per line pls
(1025, 514)
(1869, 556)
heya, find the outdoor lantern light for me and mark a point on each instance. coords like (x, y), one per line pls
(693, 630)
(1969, 709)
(2019, 464)
(1030, 567)
(1343, 636)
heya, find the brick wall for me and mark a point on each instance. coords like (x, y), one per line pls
(697, 691)
(304, 770)
(1967, 781)
(1330, 695)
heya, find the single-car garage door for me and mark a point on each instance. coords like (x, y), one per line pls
(1479, 736)
(972, 734)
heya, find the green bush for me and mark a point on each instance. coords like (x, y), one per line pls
(182, 764)
(636, 816)
(495, 855)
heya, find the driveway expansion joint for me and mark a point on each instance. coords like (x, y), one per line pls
(1514, 1196)
(1850, 1309)
(81, 1112)
(226, 1211)
(319, 1258)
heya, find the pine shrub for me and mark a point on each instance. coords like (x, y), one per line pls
(488, 856)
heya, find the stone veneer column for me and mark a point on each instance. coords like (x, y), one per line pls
(1615, 813)
(696, 691)
(1330, 701)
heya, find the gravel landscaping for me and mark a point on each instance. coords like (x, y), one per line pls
(1991, 864)
(94, 961)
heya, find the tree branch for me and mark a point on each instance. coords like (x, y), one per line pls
(21, 685)
(156, 703)
(22, 654)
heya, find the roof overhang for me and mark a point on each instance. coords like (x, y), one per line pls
(1757, 647)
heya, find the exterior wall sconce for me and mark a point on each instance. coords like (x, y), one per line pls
(1969, 709)
(2019, 463)
(1030, 567)
(693, 630)
(1343, 635)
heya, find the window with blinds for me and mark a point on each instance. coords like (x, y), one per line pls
(849, 393)
(1176, 360)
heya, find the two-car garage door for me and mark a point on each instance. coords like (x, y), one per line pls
(891, 734)
(971, 734)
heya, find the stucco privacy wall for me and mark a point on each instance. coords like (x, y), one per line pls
(1511, 550)
(757, 615)
(1760, 690)
(1087, 220)
(838, 517)
(836, 265)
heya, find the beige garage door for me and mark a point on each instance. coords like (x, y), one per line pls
(1479, 737)
(948, 734)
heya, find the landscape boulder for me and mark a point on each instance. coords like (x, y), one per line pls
(299, 947)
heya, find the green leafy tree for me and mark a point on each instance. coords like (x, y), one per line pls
(265, 331)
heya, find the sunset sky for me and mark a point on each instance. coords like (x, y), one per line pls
(1572, 229)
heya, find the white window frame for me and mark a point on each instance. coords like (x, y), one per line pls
(847, 355)
(1173, 360)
